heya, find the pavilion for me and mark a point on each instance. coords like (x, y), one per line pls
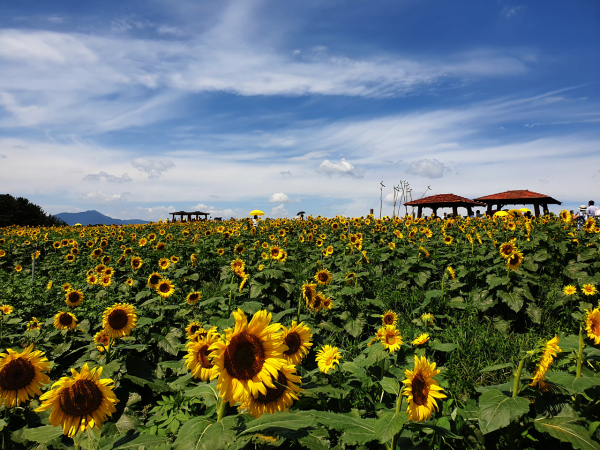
(189, 215)
(444, 201)
(523, 197)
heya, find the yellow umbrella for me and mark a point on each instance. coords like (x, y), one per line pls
(501, 214)
(256, 212)
(77, 225)
(525, 210)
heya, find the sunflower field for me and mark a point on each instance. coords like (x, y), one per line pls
(341, 333)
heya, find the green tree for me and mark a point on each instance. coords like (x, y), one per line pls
(20, 211)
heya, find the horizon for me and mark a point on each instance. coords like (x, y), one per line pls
(144, 108)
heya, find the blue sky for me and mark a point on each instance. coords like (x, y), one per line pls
(136, 109)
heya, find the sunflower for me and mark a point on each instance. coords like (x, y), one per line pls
(507, 250)
(130, 281)
(154, 279)
(18, 268)
(174, 259)
(34, 324)
(92, 279)
(100, 268)
(570, 290)
(193, 328)
(448, 240)
(421, 339)
(276, 252)
(244, 281)
(21, 375)
(327, 358)
(197, 361)
(74, 298)
(278, 398)
(592, 325)
(565, 216)
(309, 291)
(237, 266)
(245, 363)
(165, 288)
(136, 262)
(105, 280)
(392, 246)
(514, 261)
(391, 338)
(323, 277)
(2, 253)
(65, 321)
(421, 389)
(119, 320)
(80, 402)
(389, 318)
(589, 289)
(70, 258)
(143, 242)
(6, 309)
(164, 263)
(161, 246)
(451, 272)
(550, 351)
(297, 338)
(101, 340)
(193, 297)
(317, 302)
(96, 253)
(327, 303)
(427, 319)
(109, 271)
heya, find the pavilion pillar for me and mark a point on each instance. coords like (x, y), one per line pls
(454, 211)
(469, 210)
(544, 208)
(489, 209)
(419, 211)
(434, 210)
(536, 209)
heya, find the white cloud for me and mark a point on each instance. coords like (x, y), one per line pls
(101, 197)
(279, 211)
(153, 167)
(153, 213)
(429, 168)
(124, 178)
(310, 155)
(199, 207)
(279, 197)
(510, 11)
(342, 168)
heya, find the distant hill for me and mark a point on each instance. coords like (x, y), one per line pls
(94, 218)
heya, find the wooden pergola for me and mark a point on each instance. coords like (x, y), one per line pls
(189, 215)
(444, 201)
(523, 197)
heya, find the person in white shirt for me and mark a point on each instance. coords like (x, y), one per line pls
(591, 210)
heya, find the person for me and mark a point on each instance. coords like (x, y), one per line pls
(591, 209)
(445, 216)
(478, 213)
(255, 220)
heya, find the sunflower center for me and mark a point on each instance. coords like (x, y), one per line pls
(82, 398)
(65, 319)
(194, 329)
(420, 390)
(274, 394)
(390, 339)
(164, 288)
(154, 279)
(194, 297)
(388, 319)
(244, 356)
(317, 302)
(118, 319)
(596, 328)
(202, 356)
(73, 297)
(16, 374)
(322, 277)
(293, 341)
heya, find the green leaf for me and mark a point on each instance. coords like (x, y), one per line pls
(355, 326)
(422, 277)
(42, 435)
(200, 434)
(534, 313)
(497, 411)
(355, 430)
(572, 384)
(142, 294)
(143, 321)
(287, 420)
(277, 317)
(141, 441)
(564, 429)
(496, 367)
(390, 385)
(512, 299)
(251, 307)
(442, 346)
(194, 277)
(389, 424)
(208, 393)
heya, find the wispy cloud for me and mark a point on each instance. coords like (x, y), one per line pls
(124, 178)
(342, 168)
(153, 167)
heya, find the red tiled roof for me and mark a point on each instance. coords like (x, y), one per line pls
(519, 197)
(441, 199)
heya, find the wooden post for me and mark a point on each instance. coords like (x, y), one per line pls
(489, 209)
(419, 211)
(469, 211)
(536, 209)
(371, 211)
(454, 211)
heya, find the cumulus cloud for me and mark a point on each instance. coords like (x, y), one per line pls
(429, 168)
(153, 167)
(279, 197)
(101, 197)
(124, 178)
(153, 213)
(342, 168)
(279, 211)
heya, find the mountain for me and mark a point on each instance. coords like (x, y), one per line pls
(95, 218)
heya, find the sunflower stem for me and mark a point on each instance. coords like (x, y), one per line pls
(221, 411)
(299, 308)
(108, 349)
(516, 386)
(580, 354)
(398, 409)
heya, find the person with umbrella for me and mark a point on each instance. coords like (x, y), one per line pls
(256, 213)
(301, 214)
